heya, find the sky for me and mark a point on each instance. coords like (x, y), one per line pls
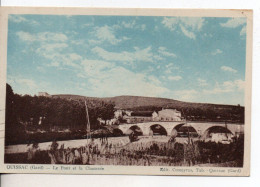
(194, 59)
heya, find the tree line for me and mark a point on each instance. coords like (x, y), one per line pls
(32, 113)
(202, 112)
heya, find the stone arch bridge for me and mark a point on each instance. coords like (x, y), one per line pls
(202, 128)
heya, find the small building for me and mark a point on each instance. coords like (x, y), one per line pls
(139, 117)
(155, 116)
(128, 112)
(44, 94)
(118, 114)
(169, 115)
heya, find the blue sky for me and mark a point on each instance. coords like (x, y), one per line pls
(198, 59)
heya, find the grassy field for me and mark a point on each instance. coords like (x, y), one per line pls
(147, 151)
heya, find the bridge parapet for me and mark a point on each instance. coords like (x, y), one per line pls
(200, 127)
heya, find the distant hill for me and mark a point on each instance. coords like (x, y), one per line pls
(129, 102)
(189, 110)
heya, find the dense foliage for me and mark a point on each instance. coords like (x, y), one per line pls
(46, 114)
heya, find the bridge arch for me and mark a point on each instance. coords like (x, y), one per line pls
(118, 132)
(216, 130)
(174, 131)
(157, 129)
(136, 129)
(183, 130)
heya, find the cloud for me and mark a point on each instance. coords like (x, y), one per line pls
(186, 95)
(55, 53)
(163, 51)
(193, 23)
(217, 51)
(50, 50)
(96, 68)
(52, 46)
(42, 37)
(129, 25)
(125, 56)
(106, 34)
(243, 31)
(227, 68)
(170, 23)
(24, 85)
(175, 78)
(188, 33)
(234, 22)
(188, 26)
(226, 87)
(202, 82)
(143, 27)
(154, 80)
(19, 19)
(77, 42)
(107, 79)
(28, 82)
(170, 67)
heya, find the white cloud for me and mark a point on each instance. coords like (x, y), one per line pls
(168, 71)
(234, 22)
(187, 25)
(175, 78)
(154, 80)
(187, 33)
(106, 79)
(157, 57)
(129, 25)
(143, 27)
(185, 95)
(202, 82)
(55, 53)
(217, 51)
(51, 46)
(243, 31)
(240, 84)
(54, 64)
(106, 34)
(170, 23)
(163, 51)
(226, 87)
(137, 55)
(18, 19)
(50, 50)
(96, 68)
(227, 68)
(27, 82)
(74, 56)
(170, 68)
(40, 69)
(77, 42)
(42, 37)
(193, 23)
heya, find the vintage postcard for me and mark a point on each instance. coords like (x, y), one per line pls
(125, 91)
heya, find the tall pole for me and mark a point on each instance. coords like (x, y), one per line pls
(88, 123)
